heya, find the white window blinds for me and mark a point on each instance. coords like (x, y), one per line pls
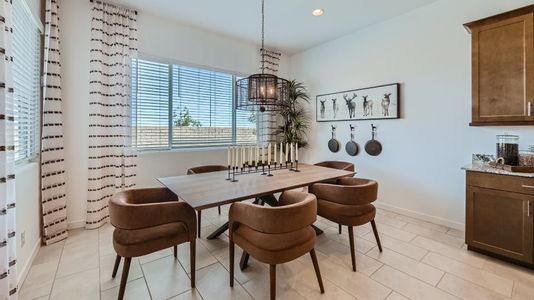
(177, 106)
(26, 81)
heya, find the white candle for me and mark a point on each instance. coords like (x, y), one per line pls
(236, 154)
(229, 158)
(292, 154)
(232, 157)
(287, 152)
(257, 155)
(281, 153)
(269, 154)
(274, 155)
(250, 155)
(296, 151)
(263, 154)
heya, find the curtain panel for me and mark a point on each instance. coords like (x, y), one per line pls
(112, 160)
(54, 203)
(8, 242)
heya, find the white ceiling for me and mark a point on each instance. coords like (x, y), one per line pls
(290, 27)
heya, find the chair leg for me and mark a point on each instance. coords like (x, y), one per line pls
(192, 258)
(232, 248)
(272, 273)
(116, 266)
(219, 208)
(352, 254)
(375, 231)
(199, 215)
(339, 226)
(317, 271)
(124, 278)
(175, 248)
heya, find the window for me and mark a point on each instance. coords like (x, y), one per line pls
(177, 106)
(26, 81)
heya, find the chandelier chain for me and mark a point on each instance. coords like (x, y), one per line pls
(262, 36)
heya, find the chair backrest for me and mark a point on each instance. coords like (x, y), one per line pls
(334, 164)
(347, 191)
(132, 209)
(297, 210)
(364, 190)
(206, 169)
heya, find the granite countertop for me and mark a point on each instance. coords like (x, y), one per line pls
(484, 168)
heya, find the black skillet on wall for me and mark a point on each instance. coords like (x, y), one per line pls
(373, 147)
(352, 147)
(333, 144)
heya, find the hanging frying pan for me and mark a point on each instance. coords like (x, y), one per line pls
(333, 144)
(373, 147)
(352, 147)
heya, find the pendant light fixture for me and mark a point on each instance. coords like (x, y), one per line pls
(263, 92)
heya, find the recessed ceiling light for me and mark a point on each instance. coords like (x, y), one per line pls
(318, 12)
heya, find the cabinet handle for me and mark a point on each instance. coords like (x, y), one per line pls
(529, 108)
(528, 208)
(528, 186)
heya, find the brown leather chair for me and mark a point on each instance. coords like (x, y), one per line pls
(205, 169)
(275, 235)
(340, 165)
(146, 221)
(349, 203)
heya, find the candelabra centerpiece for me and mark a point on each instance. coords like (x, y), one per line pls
(261, 158)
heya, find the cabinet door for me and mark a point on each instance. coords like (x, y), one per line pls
(500, 222)
(503, 66)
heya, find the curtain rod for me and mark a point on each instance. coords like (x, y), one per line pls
(135, 11)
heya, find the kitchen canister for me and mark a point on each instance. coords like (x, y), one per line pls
(508, 148)
(526, 157)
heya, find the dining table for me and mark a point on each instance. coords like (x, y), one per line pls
(207, 190)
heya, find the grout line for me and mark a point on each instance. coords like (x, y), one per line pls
(57, 269)
(144, 278)
(383, 264)
(442, 276)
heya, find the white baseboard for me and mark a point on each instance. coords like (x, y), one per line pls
(76, 224)
(26, 268)
(422, 216)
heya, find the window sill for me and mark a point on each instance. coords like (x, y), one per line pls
(190, 149)
(22, 166)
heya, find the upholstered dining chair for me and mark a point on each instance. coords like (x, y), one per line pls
(146, 221)
(349, 203)
(334, 164)
(205, 169)
(275, 235)
(340, 165)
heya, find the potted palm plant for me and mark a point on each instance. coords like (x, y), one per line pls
(294, 119)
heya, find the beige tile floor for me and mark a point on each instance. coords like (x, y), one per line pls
(421, 260)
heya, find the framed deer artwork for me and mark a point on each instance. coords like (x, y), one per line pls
(372, 103)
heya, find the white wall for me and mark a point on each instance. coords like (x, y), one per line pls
(428, 52)
(28, 215)
(158, 38)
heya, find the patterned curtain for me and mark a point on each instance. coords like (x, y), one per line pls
(8, 242)
(53, 199)
(112, 161)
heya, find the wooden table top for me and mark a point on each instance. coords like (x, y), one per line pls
(207, 190)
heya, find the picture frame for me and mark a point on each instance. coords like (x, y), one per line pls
(372, 103)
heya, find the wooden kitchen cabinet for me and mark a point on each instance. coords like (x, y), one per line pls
(499, 216)
(503, 68)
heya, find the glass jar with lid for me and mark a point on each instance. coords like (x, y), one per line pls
(508, 148)
(526, 158)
